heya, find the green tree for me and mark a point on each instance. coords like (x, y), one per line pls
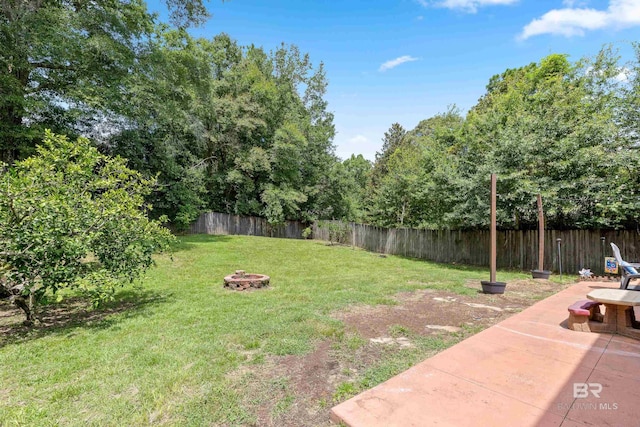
(64, 64)
(71, 217)
(392, 140)
(357, 170)
(549, 128)
(416, 190)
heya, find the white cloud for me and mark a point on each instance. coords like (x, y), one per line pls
(623, 76)
(395, 62)
(359, 139)
(470, 6)
(575, 21)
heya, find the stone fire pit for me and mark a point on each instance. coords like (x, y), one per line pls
(241, 281)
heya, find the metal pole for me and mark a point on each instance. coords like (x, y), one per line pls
(602, 240)
(493, 228)
(540, 234)
(559, 255)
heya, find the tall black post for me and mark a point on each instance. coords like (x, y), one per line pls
(602, 247)
(559, 255)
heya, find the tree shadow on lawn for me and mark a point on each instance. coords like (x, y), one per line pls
(181, 245)
(75, 312)
(446, 265)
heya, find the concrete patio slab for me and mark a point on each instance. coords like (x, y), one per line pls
(523, 371)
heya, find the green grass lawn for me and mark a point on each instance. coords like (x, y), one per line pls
(168, 356)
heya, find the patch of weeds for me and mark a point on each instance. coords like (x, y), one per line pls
(384, 301)
(251, 344)
(345, 391)
(456, 288)
(346, 372)
(323, 403)
(434, 344)
(397, 331)
(282, 406)
(280, 383)
(354, 342)
(288, 345)
(334, 331)
(257, 359)
(468, 330)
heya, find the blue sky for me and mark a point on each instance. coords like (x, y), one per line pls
(406, 60)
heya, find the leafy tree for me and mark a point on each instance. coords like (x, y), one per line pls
(71, 217)
(392, 140)
(566, 130)
(547, 128)
(356, 171)
(416, 189)
(64, 64)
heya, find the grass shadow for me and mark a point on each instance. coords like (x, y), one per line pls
(193, 239)
(73, 313)
(450, 266)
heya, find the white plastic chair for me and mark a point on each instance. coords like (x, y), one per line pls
(629, 270)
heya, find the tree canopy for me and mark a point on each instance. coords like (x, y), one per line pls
(225, 127)
(242, 130)
(565, 130)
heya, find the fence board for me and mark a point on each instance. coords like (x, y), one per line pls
(517, 249)
(221, 223)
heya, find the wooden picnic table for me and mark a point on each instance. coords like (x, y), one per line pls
(618, 315)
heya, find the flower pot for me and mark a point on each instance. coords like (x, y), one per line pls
(540, 274)
(493, 287)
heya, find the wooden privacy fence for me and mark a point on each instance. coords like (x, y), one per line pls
(221, 223)
(517, 249)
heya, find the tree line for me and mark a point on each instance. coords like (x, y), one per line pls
(241, 130)
(567, 131)
(223, 127)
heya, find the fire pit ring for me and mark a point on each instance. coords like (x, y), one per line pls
(241, 281)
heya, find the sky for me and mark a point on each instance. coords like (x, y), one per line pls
(404, 61)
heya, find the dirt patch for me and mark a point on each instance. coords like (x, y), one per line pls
(417, 310)
(300, 390)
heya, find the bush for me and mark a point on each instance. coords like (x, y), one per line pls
(338, 232)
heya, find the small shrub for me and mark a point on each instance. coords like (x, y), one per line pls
(338, 232)
(306, 233)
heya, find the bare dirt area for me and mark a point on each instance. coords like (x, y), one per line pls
(432, 311)
(300, 390)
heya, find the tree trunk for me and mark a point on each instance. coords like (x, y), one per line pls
(26, 305)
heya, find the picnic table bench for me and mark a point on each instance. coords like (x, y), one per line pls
(580, 314)
(618, 315)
